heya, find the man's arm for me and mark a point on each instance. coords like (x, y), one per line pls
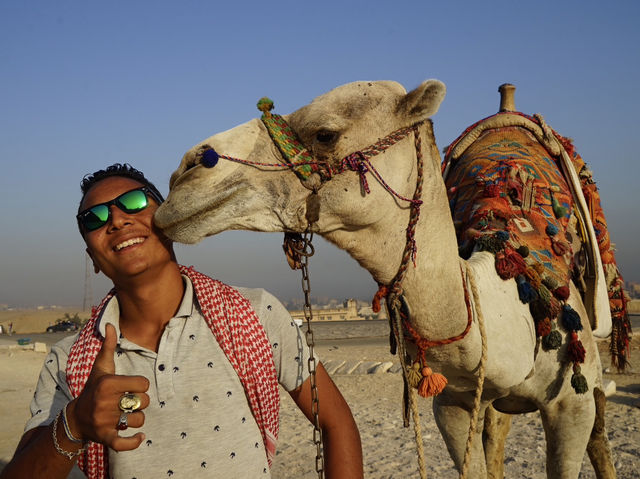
(340, 436)
(92, 416)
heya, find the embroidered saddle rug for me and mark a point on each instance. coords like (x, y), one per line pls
(520, 191)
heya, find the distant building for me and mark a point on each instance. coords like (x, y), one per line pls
(349, 312)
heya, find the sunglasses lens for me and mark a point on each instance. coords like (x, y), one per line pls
(95, 217)
(133, 201)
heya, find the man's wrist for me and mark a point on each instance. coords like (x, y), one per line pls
(76, 448)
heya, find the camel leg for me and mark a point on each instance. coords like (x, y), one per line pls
(453, 419)
(494, 437)
(567, 425)
(598, 446)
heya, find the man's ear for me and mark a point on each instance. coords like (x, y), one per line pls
(95, 266)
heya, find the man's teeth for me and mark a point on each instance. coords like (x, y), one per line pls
(130, 242)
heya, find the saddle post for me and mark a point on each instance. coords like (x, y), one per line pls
(507, 97)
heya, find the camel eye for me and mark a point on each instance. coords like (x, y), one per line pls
(326, 137)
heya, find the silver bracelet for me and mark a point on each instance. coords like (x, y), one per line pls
(67, 431)
(67, 454)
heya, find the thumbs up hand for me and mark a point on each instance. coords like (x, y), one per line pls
(94, 415)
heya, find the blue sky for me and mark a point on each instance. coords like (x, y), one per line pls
(87, 84)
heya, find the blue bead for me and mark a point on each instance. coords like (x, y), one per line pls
(209, 158)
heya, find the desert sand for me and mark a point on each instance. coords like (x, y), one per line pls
(375, 399)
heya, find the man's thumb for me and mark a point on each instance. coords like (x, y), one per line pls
(104, 360)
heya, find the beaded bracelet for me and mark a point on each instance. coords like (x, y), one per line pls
(67, 430)
(67, 454)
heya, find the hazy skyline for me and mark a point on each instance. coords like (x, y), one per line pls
(84, 85)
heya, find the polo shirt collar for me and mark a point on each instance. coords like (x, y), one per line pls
(111, 311)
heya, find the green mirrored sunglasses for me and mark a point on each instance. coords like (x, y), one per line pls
(130, 202)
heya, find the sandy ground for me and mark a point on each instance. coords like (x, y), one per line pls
(389, 449)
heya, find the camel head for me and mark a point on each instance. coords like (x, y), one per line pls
(249, 195)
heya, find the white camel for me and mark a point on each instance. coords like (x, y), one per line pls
(254, 195)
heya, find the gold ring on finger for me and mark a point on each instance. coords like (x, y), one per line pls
(129, 402)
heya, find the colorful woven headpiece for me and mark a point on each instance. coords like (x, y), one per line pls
(292, 149)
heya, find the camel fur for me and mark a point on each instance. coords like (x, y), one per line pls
(520, 376)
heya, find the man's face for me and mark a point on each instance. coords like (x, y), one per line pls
(128, 244)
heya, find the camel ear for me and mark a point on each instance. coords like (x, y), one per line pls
(423, 102)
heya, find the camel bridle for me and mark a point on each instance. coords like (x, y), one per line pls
(298, 247)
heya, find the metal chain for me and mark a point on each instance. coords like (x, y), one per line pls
(306, 251)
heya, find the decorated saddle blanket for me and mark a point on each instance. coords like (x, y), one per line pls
(513, 185)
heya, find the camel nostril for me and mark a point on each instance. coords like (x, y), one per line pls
(209, 158)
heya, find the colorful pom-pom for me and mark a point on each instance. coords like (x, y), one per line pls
(431, 383)
(550, 282)
(545, 295)
(554, 308)
(413, 375)
(502, 236)
(209, 158)
(543, 327)
(523, 251)
(562, 293)
(265, 104)
(553, 340)
(552, 229)
(559, 211)
(489, 243)
(538, 309)
(559, 247)
(509, 264)
(579, 383)
(571, 319)
(575, 349)
(525, 290)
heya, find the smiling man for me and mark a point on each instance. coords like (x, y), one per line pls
(175, 373)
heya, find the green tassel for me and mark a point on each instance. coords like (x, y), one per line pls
(579, 383)
(558, 210)
(553, 340)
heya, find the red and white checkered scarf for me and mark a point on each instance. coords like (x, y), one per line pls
(239, 333)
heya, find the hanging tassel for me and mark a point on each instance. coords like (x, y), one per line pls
(550, 282)
(413, 374)
(575, 350)
(543, 328)
(578, 381)
(538, 310)
(553, 340)
(525, 290)
(431, 383)
(554, 308)
(509, 264)
(545, 295)
(489, 243)
(562, 293)
(379, 296)
(559, 247)
(571, 319)
(523, 251)
(558, 210)
(552, 229)
(533, 277)
(502, 236)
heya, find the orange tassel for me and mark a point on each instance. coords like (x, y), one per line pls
(382, 293)
(431, 383)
